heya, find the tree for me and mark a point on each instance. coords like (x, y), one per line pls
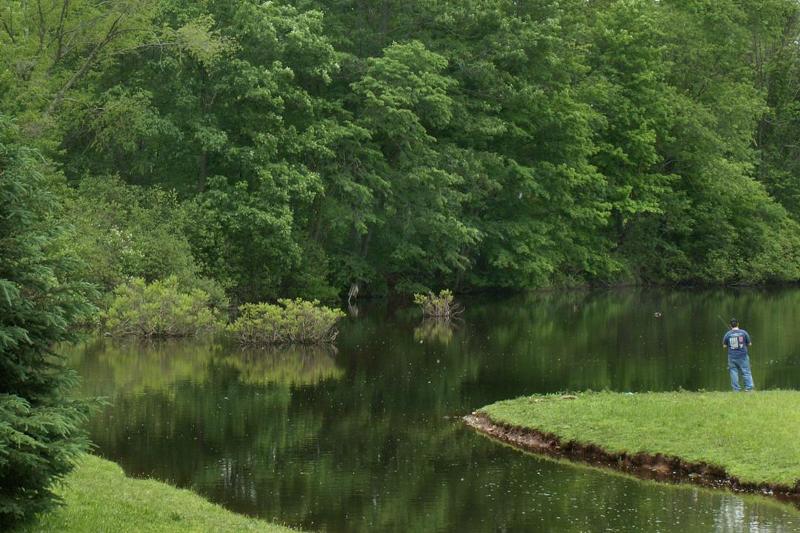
(403, 101)
(49, 47)
(703, 107)
(406, 146)
(40, 303)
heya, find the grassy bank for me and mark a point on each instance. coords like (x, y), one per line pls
(99, 497)
(753, 437)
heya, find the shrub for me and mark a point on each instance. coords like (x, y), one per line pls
(440, 306)
(40, 301)
(160, 309)
(288, 322)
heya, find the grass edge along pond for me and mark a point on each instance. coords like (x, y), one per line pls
(743, 441)
(99, 497)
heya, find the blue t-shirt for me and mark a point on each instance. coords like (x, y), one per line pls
(737, 341)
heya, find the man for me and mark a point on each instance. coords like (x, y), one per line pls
(736, 341)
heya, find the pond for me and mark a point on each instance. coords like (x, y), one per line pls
(368, 437)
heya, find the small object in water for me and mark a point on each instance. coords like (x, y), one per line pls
(657, 314)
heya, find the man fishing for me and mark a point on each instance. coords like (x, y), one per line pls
(736, 341)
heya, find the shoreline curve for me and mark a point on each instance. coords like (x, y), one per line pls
(656, 467)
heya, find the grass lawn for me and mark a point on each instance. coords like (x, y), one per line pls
(753, 436)
(100, 498)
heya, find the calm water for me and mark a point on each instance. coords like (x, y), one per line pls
(369, 438)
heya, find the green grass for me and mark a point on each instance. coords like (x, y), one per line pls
(100, 498)
(753, 436)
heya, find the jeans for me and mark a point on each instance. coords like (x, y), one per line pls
(741, 363)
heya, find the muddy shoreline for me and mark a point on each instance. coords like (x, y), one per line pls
(655, 467)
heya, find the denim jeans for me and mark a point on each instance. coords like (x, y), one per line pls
(741, 363)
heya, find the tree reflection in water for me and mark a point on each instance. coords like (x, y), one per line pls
(435, 330)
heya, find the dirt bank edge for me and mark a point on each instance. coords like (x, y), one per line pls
(648, 466)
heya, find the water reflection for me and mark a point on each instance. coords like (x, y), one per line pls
(735, 516)
(129, 367)
(296, 365)
(368, 439)
(120, 367)
(435, 330)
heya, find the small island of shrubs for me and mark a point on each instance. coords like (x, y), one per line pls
(159, 309)
(440, 306)
(289, 322)
(166, 308)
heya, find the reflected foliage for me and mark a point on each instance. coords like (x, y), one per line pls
(296, 365)
(135, 367)
(434, 330)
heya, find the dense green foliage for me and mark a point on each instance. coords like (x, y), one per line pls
(294, 148)
(159, 309)
(750, 436)
(290, 322)
(126, 232)
(40, 301)
(99, 497)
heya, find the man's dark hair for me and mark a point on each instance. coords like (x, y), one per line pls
(734, 322)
